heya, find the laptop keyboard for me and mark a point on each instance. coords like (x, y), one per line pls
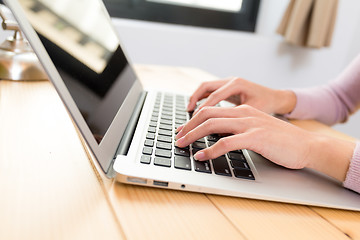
(159, 146)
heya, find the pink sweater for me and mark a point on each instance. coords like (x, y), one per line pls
(331, 104)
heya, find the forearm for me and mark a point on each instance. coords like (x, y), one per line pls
(330, 156)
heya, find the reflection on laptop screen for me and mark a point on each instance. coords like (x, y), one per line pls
(84, 47)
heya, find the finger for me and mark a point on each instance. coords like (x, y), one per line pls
(206, 113)
(203, 91)
(210, 126)
(216, 112)
(223, 146)
(222, 93)
(178, 129)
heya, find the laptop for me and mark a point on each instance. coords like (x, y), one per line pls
(131, 131)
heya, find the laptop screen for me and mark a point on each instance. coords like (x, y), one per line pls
(84, 48)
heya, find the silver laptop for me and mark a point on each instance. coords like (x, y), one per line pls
(131, 131)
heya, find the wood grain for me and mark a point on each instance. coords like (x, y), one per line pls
(270, 220)
(48, 188)
(346, 221)
(152, 213)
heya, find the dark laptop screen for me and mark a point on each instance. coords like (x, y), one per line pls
(84, 47)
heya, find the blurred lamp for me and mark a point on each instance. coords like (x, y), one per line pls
(17, 59)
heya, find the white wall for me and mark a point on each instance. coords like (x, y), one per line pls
(261, 57)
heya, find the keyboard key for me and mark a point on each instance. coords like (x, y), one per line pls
(162, 138)
(149, 143)
(165, 127)
(243, 173)
(195, 150)
(152, 124)
(182, 162)
(163, 145)
(239, 164)
(213, 137)
(237, 156)
(147, 150)
(167, 122)
(150, 136)
(190, 114)
(180, 117)
(221, 166)
(187, 147)
(163, 153)
(202, 166)
(166, 117)
(164, 113)
(181, 112)
(165, 132)
(237, 151)
(180, 121)
(152, 130)
(145, 159)
(182, 152)
(168, 105)
(167, 109)
(202, 140)
(160, 161)
(198, 145)
(210, 143)
(154, 119)
(180, 109)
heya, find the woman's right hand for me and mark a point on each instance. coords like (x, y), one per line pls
(279, 141)
(240, 91)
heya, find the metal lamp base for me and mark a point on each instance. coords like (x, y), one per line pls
(19, 66)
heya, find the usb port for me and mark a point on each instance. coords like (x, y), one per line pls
(160, 183)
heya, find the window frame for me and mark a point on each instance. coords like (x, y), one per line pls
(244, 20)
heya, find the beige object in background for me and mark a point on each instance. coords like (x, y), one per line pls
(309, 23)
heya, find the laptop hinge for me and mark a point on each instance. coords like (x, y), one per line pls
(128, 133)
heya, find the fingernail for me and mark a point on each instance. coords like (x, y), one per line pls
(178, 129)
(199, 155)
(179, 135)
(179, 142)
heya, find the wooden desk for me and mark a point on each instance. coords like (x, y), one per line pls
(50, 189)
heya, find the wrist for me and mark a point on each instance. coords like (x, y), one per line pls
(286, 101)
(330, 156)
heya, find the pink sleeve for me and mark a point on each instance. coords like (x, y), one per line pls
(352, 180)
(331, 104)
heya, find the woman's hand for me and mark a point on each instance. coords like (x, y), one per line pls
(276, 140)
(240, 91)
